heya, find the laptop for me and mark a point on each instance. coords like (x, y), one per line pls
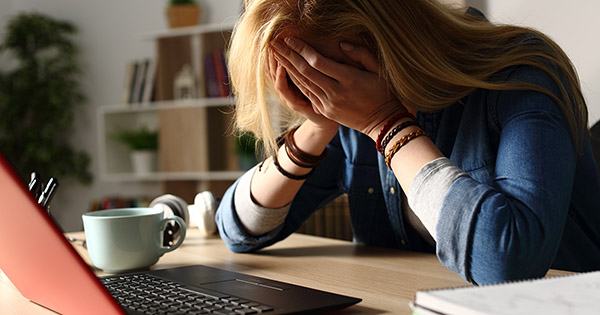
(45, 268)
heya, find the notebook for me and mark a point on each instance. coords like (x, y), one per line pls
(572, 294)
(46, 269)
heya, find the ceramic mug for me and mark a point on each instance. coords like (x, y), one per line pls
(127, 239)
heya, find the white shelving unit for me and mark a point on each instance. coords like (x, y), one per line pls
(175, 48)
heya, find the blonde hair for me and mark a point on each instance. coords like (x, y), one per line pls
(431, 54)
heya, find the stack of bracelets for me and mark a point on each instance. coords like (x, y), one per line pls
(382, 142)
(297, 157)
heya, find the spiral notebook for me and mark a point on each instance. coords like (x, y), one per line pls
(573, 294)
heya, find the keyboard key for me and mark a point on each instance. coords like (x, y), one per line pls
(262, 308)
(150, 295)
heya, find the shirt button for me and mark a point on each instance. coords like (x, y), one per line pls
(392, 190)
(370, 190)
(402, 242)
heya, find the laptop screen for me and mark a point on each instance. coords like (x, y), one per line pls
(38, 259)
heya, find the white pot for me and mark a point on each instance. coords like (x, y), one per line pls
(144, 161)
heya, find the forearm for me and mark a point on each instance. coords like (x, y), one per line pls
(256, 220)
(411, 157)
(269, 187)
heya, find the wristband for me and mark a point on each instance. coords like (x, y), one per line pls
(388, 125)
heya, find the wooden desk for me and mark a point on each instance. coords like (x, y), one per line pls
(385, 279)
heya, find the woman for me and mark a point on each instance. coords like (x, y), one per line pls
(448, 133)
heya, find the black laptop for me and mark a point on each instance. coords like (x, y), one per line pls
(46, 269)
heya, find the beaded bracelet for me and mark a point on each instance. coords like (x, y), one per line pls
(394, 132)
(288, 174)
(298, 156)
(400, 143)
(388, 125)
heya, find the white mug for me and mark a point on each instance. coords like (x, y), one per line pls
(126, 239)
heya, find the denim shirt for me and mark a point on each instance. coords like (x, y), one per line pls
(529, 202)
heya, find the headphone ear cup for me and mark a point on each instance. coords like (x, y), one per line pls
(176, 206)
(205, 207)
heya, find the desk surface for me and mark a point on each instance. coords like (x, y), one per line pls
(385, 279)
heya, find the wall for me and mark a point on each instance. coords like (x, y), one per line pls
(110, 35)
(572, 24)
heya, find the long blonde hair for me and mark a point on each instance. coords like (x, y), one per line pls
(431, 54)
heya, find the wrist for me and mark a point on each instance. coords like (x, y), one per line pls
(378, 135)
(313, 138)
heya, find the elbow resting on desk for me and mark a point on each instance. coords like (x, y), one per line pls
(502, 239)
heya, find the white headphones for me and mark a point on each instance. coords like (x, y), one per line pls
(201, 214)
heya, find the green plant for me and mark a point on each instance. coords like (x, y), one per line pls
(245, 147)
(38, 96)
(139, 139)
(245, 144)
(182, 2)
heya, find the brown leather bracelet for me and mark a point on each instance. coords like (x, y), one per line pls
(394, 132)
(298, 156)
(288, 174)
(402, 142)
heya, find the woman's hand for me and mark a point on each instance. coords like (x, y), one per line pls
(357, 98)
(294, 98)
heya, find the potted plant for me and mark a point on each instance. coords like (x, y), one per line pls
(143, 144)
(182, 13)
(38, 97)
(245, 147)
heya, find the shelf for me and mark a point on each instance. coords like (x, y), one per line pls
(197, 146)
(161, 105)
(174, 176)
(191, 30)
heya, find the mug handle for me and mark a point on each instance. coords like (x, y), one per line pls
(162, 226)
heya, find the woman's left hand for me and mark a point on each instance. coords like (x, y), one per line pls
(356, 98)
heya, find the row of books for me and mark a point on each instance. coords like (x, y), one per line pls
(140, 82)
(140, 79)
(332, 221)
(216, 74)
(114, 202)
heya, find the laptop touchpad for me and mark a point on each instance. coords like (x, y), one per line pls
(250, 289)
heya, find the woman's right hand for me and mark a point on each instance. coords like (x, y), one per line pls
(290, 92)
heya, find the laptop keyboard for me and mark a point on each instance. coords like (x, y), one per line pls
(147, 294)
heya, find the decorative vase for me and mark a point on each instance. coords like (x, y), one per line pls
(144, 161)
(182, 15)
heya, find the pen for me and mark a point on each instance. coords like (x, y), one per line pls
(48, 193)
(36, 185)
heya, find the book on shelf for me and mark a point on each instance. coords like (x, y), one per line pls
(149, 85)
(571, 294)
(114, 202)
(222, 75)
(216, 75)
(130, 70)
(130, 80)
(140, 81)
(210, 76)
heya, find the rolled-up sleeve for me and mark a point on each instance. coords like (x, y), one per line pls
(230, 227)
(511, 228)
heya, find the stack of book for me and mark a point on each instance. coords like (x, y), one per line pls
(114, 202)
(216, 74)
(139, 84)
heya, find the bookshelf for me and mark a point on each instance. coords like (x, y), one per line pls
(195, 150)
(196, 146)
